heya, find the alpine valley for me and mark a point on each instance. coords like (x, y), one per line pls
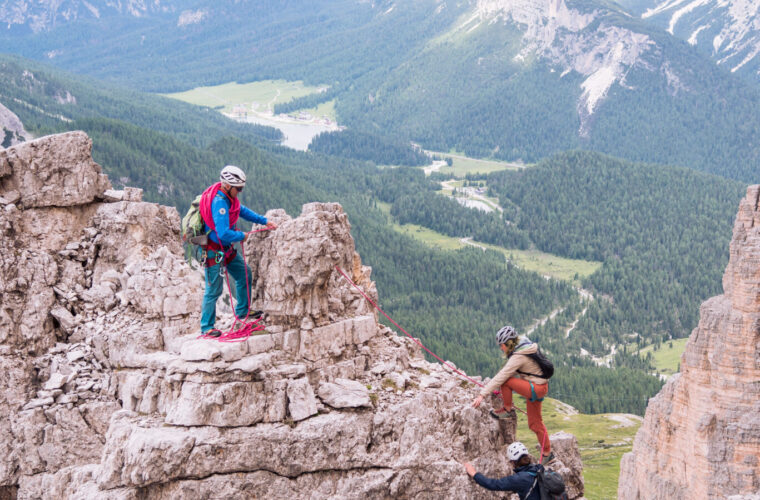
(570, 167)
(509, 79)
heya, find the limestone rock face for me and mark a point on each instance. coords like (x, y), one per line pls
(110, 394)
(54, 171)
(701, 434)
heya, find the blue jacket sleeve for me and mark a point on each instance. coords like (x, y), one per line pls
(252, 216)
(220, 211)
(507, 483)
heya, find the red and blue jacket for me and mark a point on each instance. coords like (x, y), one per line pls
(220, 214)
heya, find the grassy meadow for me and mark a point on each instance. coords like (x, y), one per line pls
(462, 165)
(571, 270)
(561, 268)
(666, 358)
(262, 95)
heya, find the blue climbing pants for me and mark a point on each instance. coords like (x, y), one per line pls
(237, 270)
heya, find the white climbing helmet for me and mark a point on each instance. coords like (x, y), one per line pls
(516, 450)
(505, 333)
(233, 176)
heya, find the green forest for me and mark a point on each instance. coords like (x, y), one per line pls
(662, 233)
(368, 147)
(447, 216)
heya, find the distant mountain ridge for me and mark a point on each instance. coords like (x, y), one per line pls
(575, 38)
(45, 15)
(515, 80)
(726, 30)
(525, 79)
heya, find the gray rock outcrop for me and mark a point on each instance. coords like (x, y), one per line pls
(700, 437)
(11, 129)
(110, 394)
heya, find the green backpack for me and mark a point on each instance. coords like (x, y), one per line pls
(193, 235)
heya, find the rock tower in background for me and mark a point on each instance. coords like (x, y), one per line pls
(107, 393)
(701, 434)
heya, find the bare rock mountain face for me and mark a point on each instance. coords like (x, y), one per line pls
(108, 393)
(728, 31)
(701, 434)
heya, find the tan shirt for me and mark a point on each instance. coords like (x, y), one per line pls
(516, 362)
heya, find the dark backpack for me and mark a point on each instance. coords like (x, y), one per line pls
(550, 485)
(547, 367)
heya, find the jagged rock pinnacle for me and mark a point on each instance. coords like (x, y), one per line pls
(701, 434)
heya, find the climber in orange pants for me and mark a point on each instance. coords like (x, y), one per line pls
(535, 422)
(524, 376)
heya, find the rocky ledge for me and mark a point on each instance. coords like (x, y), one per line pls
(110, 394)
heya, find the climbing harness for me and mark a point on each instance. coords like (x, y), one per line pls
(533, 396)
(247, 328)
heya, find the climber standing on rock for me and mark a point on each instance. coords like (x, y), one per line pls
(522, 482)
(220, 209)
(525, 376)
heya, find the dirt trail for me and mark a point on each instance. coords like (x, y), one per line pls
(583, 295)
(271, 103)
(434, 167)
(542, 321)
(468, 241)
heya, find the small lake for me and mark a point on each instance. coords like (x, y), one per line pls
(297, 135)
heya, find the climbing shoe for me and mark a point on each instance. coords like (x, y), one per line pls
(548, 458)
(502, 414)
(214, 332)
(257, 314)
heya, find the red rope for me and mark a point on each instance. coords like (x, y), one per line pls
(444, 363)
(416, 341)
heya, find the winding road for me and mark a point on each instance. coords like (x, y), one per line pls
(583, 294)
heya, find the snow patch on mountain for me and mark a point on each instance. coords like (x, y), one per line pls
(683, 11)
(694, 36)
(565, 36)
(662, 8)
(188, 17)
(93, 10)
(595, 87)
(734, 26)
